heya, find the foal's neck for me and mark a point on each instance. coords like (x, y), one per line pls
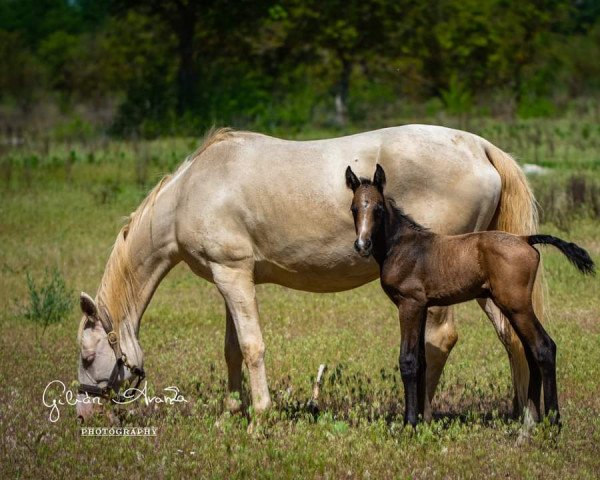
(395, 229)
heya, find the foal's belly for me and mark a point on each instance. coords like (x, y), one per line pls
(464, 296)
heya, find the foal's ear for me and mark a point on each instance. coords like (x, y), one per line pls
(352, 180)
(379, 178)
(88, 306)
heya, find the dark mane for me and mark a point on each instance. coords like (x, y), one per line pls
(396, 213)
(405, 218)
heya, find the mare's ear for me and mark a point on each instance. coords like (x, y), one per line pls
(88, 306)
(379, 178)
(352, 180)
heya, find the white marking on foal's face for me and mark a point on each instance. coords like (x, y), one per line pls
(367, 209)
(363, 230)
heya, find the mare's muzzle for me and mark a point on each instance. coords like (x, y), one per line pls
(112, 386)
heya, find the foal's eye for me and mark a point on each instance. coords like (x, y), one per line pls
(353, 209)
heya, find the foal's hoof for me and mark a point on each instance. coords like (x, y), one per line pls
(233, 405)
(410, 426)
(554, 419)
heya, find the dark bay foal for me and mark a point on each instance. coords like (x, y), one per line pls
(419, 269)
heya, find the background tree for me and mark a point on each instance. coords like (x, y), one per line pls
(177, 66)
(341, 34)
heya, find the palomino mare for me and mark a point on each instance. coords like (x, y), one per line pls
(419, 269)
(248, 209)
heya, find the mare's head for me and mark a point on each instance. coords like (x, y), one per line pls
(368, 207)
(102, 343)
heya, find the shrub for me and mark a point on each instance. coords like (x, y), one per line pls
(563, 198)
(49, 303)
(457, 98)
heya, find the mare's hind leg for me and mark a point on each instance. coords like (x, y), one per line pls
(519, 366)
(440, 338)
(233, 358)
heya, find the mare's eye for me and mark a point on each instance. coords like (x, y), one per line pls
(87, 360)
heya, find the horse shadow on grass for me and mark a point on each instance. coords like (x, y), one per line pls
(355, 397)
(350, 397)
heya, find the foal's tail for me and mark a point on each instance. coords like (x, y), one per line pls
(576, 255)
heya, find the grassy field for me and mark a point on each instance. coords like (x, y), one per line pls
(61, 206)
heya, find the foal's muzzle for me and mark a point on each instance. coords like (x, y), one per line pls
(363, 247)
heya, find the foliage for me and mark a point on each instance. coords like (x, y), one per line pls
(140, 66)
(49, 303)
(158, 67)
(457, 97)
(566, 198)
(20, 72)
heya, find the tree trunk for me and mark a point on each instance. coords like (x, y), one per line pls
(341, 94)
(518, 84)
(187, 76)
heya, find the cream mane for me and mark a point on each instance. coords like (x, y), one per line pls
(119, 283)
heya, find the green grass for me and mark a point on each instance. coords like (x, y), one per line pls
(55, 217)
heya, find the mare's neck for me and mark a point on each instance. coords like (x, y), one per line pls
(144, 252)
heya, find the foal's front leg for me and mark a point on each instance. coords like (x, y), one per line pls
(412, 357)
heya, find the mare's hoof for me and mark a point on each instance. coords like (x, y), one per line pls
(255, 429)
(222, 420)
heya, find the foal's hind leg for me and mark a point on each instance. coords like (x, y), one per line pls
(535, 384)
(519, 365)
(543, 350)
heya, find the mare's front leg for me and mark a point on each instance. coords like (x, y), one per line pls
(236, 284)
(440, 338)
(412, 357)
(234, 359)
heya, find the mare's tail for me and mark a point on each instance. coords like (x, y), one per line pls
(576, 255)
(517, 211)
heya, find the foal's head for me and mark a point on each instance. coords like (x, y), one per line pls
(367, 208)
